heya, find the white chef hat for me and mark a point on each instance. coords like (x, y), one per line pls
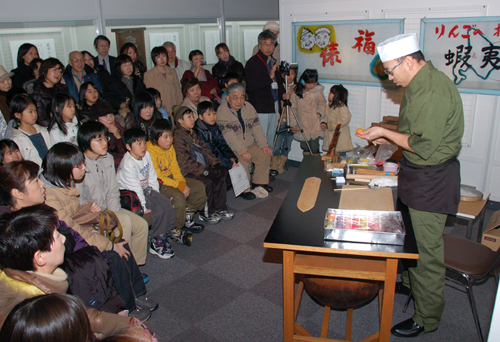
(398, 46)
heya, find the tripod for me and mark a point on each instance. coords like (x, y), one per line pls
(287, 107)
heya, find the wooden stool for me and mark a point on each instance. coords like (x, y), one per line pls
(338, 294)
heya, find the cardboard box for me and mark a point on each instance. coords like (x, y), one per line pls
(491, 235)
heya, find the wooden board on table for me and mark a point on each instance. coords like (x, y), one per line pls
(309, 193)
(367, 199)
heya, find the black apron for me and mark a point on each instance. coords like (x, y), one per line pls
(432, 188)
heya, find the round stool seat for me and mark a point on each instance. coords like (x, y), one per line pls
(341, 293)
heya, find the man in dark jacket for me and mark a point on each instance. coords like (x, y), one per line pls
(77, 73)
(265, 85)
(102, 44)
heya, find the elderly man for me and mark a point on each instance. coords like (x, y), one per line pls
(274, 27)
(431, 125)
(77, 73)
(101, 45)
(175, 63)
(240, 126)
(265, 85)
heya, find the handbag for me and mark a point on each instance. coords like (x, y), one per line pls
(104, 222)
(130, 201)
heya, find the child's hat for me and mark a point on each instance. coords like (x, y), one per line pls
(4, 74)
(179, 112)
(398, 46)
(100, 108)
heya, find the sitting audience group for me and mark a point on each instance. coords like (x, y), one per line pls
(79, 141)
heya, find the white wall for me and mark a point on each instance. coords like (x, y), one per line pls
(481, 161)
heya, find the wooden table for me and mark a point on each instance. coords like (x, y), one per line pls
(300, 236)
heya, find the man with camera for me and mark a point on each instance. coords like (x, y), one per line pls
(265, 85)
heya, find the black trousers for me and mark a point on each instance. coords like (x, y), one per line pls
(216, 189)
(127, 277)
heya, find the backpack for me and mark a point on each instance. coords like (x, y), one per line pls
(130, 201)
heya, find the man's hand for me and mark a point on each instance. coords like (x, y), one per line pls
(186, 191)
(235, 164)
(147, 211)
(122, 252)
(267, 151)
(286, 96)
(247, 157)
(273, 71)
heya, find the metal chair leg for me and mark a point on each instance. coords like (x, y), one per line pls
(472, 302)
(408, 301)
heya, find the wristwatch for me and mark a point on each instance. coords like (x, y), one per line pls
(205, 173)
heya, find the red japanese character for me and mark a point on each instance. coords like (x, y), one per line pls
(467, 28)
(369, 46)
(497, 31)
(442, 31)
(330, 54)
(359, 43)
(452, 32)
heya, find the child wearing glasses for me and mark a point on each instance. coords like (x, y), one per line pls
(337, 113)
(309, 103)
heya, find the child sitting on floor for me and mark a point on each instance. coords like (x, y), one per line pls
(182, 191)
(136, 172)
(198, 162)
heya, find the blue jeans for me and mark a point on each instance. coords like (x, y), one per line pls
(283, 145)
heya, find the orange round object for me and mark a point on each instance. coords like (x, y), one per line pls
(359, 130)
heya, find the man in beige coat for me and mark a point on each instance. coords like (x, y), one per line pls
(241, 128)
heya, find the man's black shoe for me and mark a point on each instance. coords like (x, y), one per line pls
(271, 178)
(248, 196)
(401, 289)
(273, 172)
(266, 187)
(408, 328)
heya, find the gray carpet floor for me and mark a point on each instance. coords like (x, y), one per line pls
(227, 287)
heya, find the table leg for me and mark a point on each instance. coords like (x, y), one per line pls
(481, 223)
(288, 295)
(469, 229)
(388, 300)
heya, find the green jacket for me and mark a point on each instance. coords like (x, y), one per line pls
(432, 115)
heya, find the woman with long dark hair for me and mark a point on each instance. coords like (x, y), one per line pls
(124, 85)
(143, 112)
(88, 95)
(26, 53)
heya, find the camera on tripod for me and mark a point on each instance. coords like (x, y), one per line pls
(285, 67)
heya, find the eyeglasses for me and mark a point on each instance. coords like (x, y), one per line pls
(390, 72)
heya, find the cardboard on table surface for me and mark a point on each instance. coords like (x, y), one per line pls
(471, 208)
(309, 194)
(367, 199)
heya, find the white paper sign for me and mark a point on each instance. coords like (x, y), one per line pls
(157, 39)
(212, 38)
(239, 179)
(46, 48)
(250, 38)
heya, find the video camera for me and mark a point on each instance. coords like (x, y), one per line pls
(285, 67)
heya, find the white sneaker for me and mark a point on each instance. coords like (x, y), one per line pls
(260, 192)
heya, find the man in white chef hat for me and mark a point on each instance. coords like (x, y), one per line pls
(431, 125)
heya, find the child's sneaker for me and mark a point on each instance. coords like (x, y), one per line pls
(212, 219)
(226, 214)
(181, 237)
(160, 247)
(141, 314)
(193, 227)
(144, 302)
